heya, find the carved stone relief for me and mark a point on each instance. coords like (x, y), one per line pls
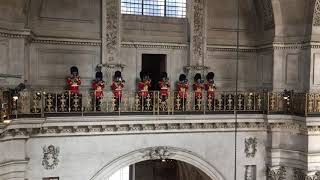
(198, 32)
(268, 14)
(276, 173)
(50, 157)
(158, 153)
(250, 147)
(316, 14)
(112, 30)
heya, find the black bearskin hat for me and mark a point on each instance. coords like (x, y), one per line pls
(210, 76)
(74, 69)
(164, 75)
(117, 74)
(182, 77)
(99, 75)
(142, 74)
(197, 76)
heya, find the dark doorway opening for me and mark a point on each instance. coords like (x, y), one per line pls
(154, 64)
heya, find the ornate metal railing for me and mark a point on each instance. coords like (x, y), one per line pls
(53, 103)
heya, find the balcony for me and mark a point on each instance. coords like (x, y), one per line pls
(65, 103)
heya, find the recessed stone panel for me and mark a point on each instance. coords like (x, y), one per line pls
(292, 68)
(4, 57)
(55, 64)
(316, 69)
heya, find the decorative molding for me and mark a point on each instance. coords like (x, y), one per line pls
(316, 14)
(61, 41)
(250, 147)
(154, 45)
(16, 132)
(50, 157)
(155, 153)
(24, 33)
(276, 173)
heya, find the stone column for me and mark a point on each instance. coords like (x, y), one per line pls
(197, 16)
(111, 41)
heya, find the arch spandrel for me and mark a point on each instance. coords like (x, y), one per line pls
(153, 153)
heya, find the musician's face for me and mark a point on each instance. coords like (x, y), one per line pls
(198, 80)
(74, 73)
(98, 78)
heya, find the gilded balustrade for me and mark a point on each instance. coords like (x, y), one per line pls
(45, 103)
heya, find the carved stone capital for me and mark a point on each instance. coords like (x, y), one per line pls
(314, 175)
(276, 173)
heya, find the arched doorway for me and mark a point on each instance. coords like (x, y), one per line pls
(166, 169)
(186, 159)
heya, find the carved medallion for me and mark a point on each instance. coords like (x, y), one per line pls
(50, 157)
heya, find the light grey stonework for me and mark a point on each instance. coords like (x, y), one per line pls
(279, 49)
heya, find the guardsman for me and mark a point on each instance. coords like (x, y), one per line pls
(210, 86)
(164, 86)
(183, 86)
(198, 86)
(98, 85)
(144, 84)
(117, 85)
(74, 80)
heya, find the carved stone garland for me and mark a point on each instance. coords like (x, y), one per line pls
(198, 30)
(316, 14)
(112, 30)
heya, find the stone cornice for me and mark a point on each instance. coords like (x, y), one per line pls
(24, 33)
(154, 45)
(88, 126)
(66, 41)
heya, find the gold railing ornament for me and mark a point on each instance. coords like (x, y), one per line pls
(35, 102)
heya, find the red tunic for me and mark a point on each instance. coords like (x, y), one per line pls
(74, 83)
(98, 88)
(183, 89)
(164, 88)
(210, 88)
(117, 88)
(198, 88)
(143, 87)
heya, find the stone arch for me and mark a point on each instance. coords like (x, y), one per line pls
(153, 153)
